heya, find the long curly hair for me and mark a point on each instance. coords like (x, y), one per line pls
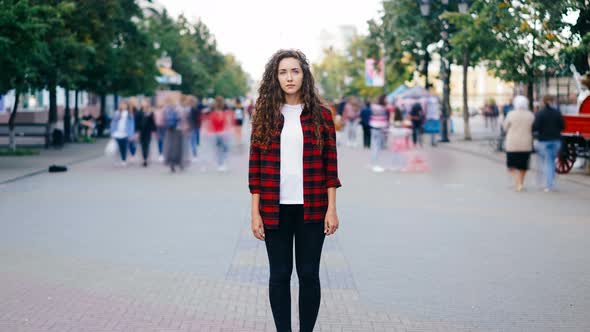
(271, 98)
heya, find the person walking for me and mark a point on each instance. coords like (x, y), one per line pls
(173, 146)
(196, 116)
(219, 125)
(519, 140)
(379, 123)
(122, 129)
(548, 126)
(432, 124)
(365, 118)
(293, 176)
(238, 122)
(144, 119)
(417, 117)
(159, 119)
(351, 116)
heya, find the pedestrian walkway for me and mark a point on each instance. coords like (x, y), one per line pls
(14, 168)
(104, 248)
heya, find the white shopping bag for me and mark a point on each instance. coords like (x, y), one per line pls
(111, 149)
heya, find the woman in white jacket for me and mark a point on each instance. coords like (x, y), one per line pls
(519, 139)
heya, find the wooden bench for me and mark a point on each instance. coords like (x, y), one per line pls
(35, 131)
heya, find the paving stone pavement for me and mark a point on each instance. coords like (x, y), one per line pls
(395, 265)
(41, 292)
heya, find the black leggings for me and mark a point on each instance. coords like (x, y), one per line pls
(366, 136)
(145, 147)
(309, 239)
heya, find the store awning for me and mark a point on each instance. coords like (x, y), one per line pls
(169, 77)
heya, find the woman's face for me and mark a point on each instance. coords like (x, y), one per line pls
(290, 76)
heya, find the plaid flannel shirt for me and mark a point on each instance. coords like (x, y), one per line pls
(320, 172)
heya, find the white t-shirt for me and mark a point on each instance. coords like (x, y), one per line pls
(122, 125)
(292, 156)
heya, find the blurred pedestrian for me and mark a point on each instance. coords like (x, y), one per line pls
(548, 126)
(238, 122)
(365, 118)
(146, 126)
(219, 121)
(159, 119)
(379, 123)
(299, 148)
(196, 119)
(132, 102)
(173, 143)
(417, 116)
(352, 110)
(519, 139)
(122, 128)
(432, 124)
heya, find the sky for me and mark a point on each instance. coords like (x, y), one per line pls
(253, 30)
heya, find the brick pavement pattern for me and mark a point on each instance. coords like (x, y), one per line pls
(95, 250)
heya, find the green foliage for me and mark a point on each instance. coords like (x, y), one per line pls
(330, 74)
(21, 28)
(231, 81)
(19, 152)
(193, 50)
(107, 46)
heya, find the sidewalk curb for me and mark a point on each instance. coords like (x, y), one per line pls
(45, 170)
(491, 158)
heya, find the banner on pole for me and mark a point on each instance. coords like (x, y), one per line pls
(374, 73)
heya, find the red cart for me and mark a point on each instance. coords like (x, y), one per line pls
(575, 139)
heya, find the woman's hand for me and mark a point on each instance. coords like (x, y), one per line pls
(331, 222)
(257, 227)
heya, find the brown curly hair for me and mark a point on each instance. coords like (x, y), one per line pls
(271, 98)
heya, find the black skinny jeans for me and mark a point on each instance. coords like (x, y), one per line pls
(366, 136)
(309, 239)
(145, 141)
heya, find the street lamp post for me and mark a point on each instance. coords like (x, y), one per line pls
(445, 64)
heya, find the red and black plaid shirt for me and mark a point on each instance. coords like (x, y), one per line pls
(320, 172)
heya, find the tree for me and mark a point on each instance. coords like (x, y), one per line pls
(330, 74)
(59, 43)
(123, 57)
(406, 31)
(193, 51)
(470, 40)
(231, 81)
(527, 35)
(20, 30)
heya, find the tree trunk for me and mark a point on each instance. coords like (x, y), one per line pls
(446, 106)
(67, 118)
(76, 116)
(12, 139)
(529, 93)
(426, 64)
(103, 115)
(52, 120)
(467, 129)
(558, 95)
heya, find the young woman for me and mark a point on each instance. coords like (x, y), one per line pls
(293, 176)
(145, 126)
(220, 121)
(122, 129)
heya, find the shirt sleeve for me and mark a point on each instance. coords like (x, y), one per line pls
(330, 155)
(254, 168)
